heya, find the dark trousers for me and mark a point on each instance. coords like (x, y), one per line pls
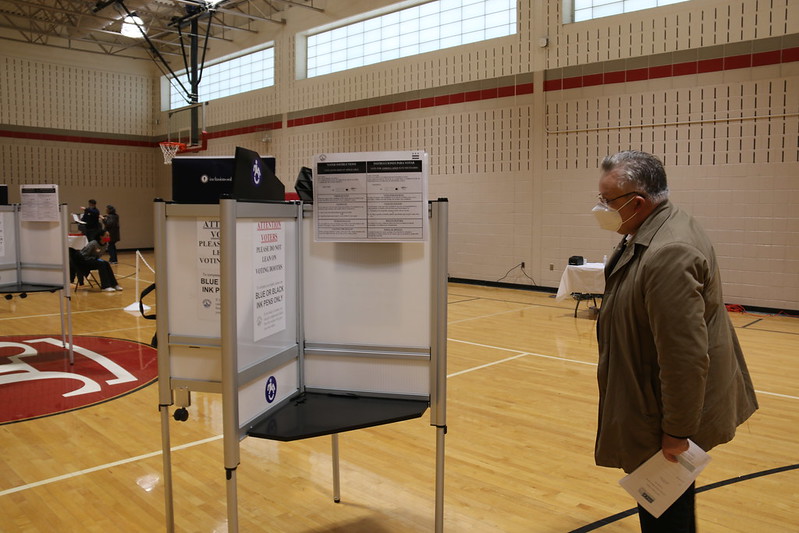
(112, 252)
(679, 518)
(107, 278)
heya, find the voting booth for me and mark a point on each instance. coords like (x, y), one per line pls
(33, 250)
(302, 337)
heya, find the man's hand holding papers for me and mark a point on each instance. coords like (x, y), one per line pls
(657, 483)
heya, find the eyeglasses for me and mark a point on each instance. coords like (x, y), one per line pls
(604, 201)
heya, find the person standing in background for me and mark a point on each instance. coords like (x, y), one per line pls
(91, 221)
(670, 365)
(111, 225)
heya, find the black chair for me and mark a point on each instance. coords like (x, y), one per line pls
(79, 270)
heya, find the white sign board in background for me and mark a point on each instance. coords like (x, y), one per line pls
(371, 197)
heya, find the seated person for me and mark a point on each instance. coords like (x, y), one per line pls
(91, 254)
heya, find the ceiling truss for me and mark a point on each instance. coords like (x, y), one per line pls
(95, 25)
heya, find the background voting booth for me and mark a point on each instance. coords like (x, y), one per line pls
(302, 338)
(33, 250)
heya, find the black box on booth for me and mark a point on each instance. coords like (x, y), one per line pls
(203, 179)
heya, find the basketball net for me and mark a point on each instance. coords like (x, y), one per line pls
(170, 149)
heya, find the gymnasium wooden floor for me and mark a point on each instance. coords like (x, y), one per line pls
(521, 419)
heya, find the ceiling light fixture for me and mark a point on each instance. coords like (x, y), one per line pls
(132, 26)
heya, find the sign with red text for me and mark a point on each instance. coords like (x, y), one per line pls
(269, 279)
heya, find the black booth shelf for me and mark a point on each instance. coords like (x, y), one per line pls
(23, 287)
(313, 414)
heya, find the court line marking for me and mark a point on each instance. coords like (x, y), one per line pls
(718, 484)
(519, 355)
(629, 512)
(461, 301)
(526, 306)
(211, 439)
(547, 305)
(776, 394)
(50, 315)
(775, 331)
(105, 466)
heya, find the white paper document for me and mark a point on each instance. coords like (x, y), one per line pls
(658, 483)
(39, 203)
(76, 219)
(371, 197)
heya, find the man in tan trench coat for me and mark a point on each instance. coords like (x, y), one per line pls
(670, 366)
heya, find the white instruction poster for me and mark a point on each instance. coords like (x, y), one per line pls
(269, 279)
(371, 197)
(39, 203)
(208, 282)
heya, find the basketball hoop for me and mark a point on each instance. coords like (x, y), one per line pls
(170, 149)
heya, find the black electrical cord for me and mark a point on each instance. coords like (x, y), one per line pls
(520, 267)
(528, 276)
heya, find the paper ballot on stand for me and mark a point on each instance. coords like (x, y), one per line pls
(658, 483)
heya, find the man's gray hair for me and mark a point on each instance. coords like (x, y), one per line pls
(642, 169)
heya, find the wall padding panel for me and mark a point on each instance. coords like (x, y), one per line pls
(753, 122)
(74, 98)
(681, 26)
(519, 169)
(731, 151)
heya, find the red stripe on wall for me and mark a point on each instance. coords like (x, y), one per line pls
(710, 65)
(76, 139)
(524, 88)
(790, 54)
(53, 137)
(553, 85)
(664, 71)
(787, 55)
(685, 69)
(591, 80)
(433, 101)
(766, 58)
(702, 66)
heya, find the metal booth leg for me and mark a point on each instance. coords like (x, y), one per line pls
(439, 511)
(336, 474)
(167, 461)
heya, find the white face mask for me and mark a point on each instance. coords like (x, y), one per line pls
(609, 218)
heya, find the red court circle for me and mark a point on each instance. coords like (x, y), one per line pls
(37, 380)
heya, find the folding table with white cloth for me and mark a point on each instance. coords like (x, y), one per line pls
(582, 282)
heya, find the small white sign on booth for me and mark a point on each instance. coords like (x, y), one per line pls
(208, 284)
(269, 279)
